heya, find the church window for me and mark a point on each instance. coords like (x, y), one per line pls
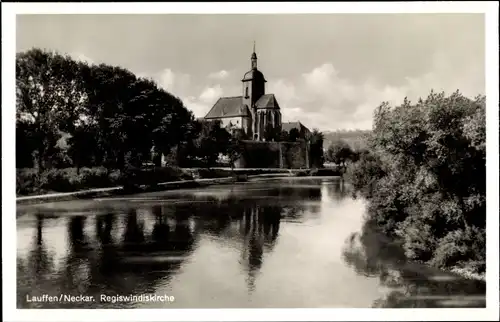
(246, 92)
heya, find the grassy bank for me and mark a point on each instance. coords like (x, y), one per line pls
(30, 182)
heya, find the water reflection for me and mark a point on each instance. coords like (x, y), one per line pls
(411, 285)
(116, 253)
(231, 246)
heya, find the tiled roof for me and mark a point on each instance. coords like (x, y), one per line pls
(228, 107)
(294, 125)
(267, 101)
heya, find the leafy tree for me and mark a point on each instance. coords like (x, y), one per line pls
(293, 135)
(339, 153)
(316, 149)
(212, 141)
(105, 114)
(234, 150)
(271, 133)
(49, 98)
(283, 136)
(429, 160)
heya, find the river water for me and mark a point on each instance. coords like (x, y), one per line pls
(266, 244)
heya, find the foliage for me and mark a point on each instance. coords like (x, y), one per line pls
(108, 116)
(283, 136)
(212, 141)
(356, 139)
(271, 133)
(29, 181)
(293, 135)
(316, 149)
(425, 178)
(72, 114)
(49, 94)
(340, 152)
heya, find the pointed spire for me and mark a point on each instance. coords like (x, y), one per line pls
(254, 57)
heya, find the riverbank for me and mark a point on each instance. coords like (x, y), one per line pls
(164, 179)
(117, 191)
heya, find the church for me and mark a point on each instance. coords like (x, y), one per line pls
(254, 112)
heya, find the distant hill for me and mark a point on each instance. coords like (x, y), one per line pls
(355, 138)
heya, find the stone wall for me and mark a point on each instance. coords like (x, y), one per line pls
(289, 155)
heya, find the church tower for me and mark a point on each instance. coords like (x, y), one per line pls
(253, 89)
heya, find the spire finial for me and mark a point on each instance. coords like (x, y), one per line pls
(254, 57)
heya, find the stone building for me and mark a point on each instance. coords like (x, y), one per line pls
(255, 111)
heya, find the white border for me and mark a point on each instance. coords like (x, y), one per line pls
(9, 11)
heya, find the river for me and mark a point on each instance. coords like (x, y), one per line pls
(283, 243)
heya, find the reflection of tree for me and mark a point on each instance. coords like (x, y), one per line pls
(75, 277)
(412, 285)
(144, 260)
(131, 264)
(134, 232)
(104, 227)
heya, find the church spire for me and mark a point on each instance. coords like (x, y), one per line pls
(254, 57)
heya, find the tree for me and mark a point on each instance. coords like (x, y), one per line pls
(212, 141)
(234, 151)
(316, 149)
(429, 159)
(271, 133)
(283, 136)
(293, 135)
(339, 153)
(49, 96)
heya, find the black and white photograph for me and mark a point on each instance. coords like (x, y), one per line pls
(250, 159)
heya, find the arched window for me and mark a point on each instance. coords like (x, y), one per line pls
(246, 92)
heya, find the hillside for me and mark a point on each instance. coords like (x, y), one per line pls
(355, 138)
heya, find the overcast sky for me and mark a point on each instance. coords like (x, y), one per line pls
(328, 71)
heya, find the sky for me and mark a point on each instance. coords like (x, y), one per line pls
(328, 71)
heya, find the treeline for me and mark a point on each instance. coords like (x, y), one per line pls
(71, 114)
(424, 174)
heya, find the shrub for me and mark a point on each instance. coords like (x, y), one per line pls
(460, 248)
(93, 178)
(26, 181)
(60, 180)
(65, 180)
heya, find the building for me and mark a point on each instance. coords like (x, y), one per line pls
(255, 112)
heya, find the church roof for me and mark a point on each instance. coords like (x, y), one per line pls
(228, 107)
(288, 126)
(267, 101)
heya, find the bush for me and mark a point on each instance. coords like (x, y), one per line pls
(64, 180)
(60, 180)
(462, 248)
(26, 181)
(70, 179)
(93, 178)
